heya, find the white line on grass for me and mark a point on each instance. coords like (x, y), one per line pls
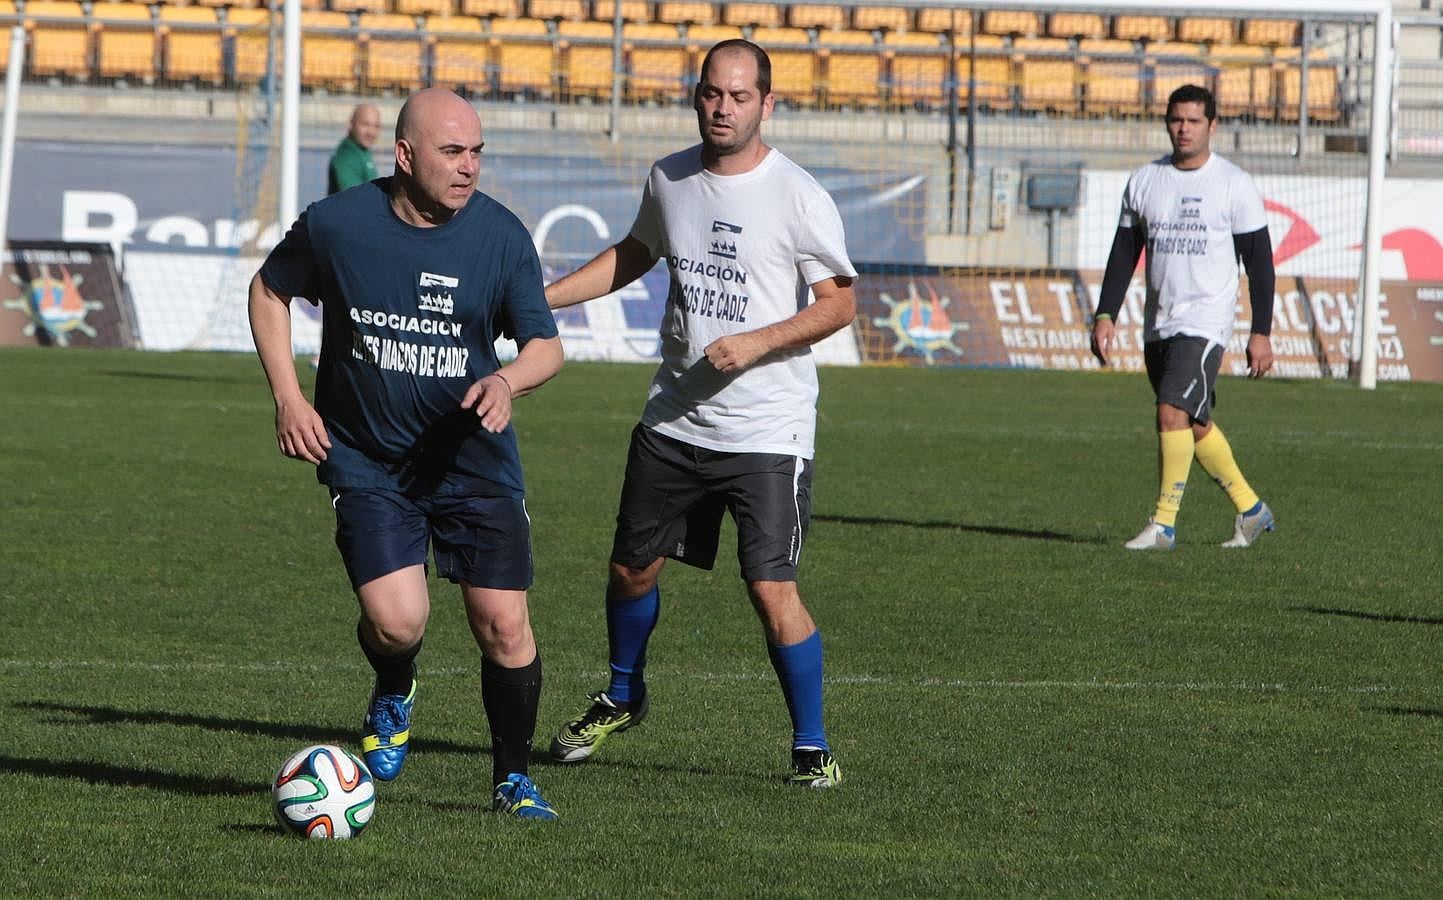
(1176, 687)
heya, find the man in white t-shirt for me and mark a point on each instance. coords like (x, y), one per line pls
(1197, 214)
(759, 273)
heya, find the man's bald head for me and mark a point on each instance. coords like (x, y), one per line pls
(365, 124)
(423, 109)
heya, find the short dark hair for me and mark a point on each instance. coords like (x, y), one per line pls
(764, 62)
(1194, 93)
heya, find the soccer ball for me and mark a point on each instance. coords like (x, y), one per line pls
(323, 791)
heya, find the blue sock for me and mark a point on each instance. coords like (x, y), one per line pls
(1254, 509)
(799, 669)
(628, 628)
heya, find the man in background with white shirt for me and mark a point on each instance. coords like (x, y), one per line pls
(1197, 214)
(759, 272)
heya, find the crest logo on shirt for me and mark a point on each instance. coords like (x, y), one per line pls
(439, 299)
(724, 247)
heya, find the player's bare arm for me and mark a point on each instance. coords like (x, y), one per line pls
(833, 308)
(300, 433)
(490, 397)
(611, 269)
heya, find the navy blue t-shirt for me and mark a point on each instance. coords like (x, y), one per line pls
(410, 319)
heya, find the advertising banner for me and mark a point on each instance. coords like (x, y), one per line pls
(62, 295)
(1042, 319)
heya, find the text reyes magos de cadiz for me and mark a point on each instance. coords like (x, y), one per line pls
(393, 355)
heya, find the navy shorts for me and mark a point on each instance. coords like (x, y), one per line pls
(675, 493)
(480, 541)
(1184, 373)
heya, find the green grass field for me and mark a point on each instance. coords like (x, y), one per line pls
(1021, 706)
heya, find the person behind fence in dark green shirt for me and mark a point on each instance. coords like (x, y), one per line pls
(351, 163)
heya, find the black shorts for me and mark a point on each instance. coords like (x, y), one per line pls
(675, 493)
(480, 541)
(1184, 373)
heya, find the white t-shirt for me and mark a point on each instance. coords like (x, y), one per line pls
(1192, 267)
(742, 251)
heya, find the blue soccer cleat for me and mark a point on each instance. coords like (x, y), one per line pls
(1250, 525)
(386, 733)
(518, 796)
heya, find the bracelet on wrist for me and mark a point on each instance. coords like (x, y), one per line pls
(510, 391)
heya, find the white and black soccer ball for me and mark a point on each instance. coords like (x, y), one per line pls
(323, 791)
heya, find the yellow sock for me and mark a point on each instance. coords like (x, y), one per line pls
(1215, 455)
(1174, 459)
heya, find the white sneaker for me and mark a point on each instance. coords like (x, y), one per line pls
(1247, 528)
(1153, 537)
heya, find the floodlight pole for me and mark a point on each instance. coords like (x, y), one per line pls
(7, 135)
(290, 115)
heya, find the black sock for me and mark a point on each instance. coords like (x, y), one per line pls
(510, 697)
(394, 674)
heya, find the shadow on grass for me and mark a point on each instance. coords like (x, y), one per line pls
(312, 734)
(998, 530)
(1369, 616)
(173, 376)
(101, 773)
(1419, 711)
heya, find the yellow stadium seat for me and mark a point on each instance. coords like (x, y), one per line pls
(652, 70)
(426, 7)
(1141, 28)
(1322, 85)
(854, 67)
(764, 15)
(248, 29)
(1171, 65)
(328, 50)
(944, 19)
(881, 18)
(704, 37)
(252, 4)
(814, 15)
(191, 41)
(486, 9)
(918, 67)
(1244, 81)
(991, 70)
(1048, 74)
(395, 50)
(1006, 21)
(460, 53)
(61, 45)
(631, 11)
(794, 72)
(1270, 32)
(587, 69)
(1078, 25)
(1113, 79)
(361, 6)
(125, 38)
(563, 10)
(686, 13)
(1207, 31)
(525, 56)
